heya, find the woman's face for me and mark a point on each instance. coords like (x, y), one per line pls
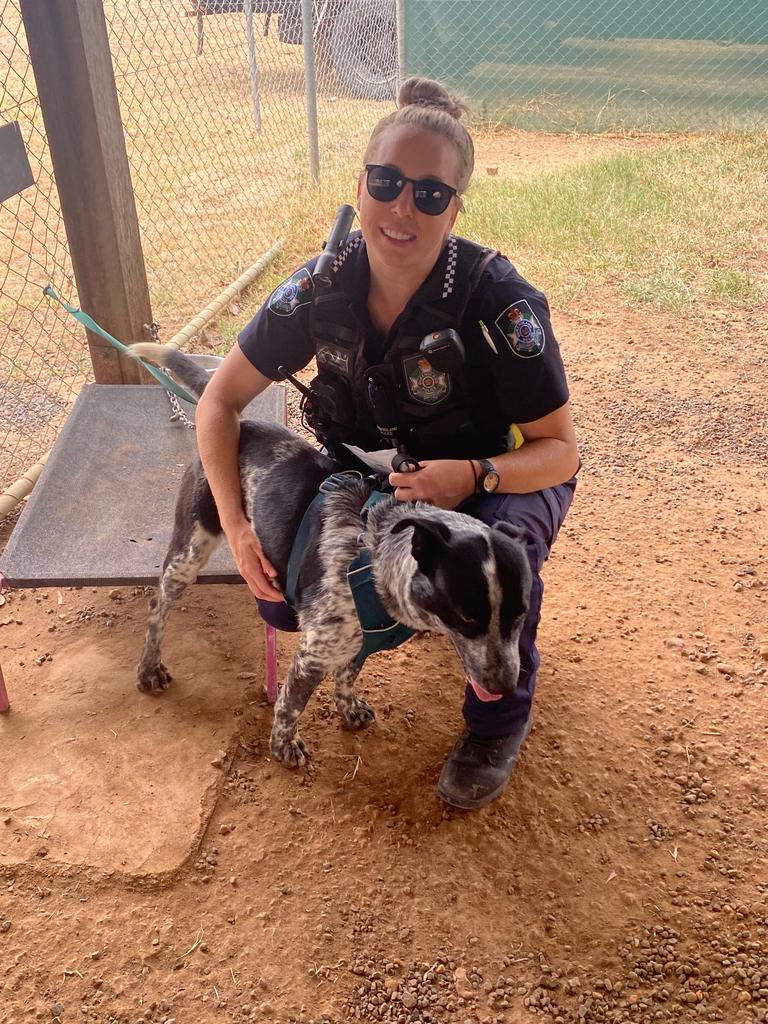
(399, 237)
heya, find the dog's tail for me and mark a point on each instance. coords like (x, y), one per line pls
(189, 373)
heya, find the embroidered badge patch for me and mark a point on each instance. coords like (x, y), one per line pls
(333, 358)
(425, 384)
(295, 292)
(524, 333)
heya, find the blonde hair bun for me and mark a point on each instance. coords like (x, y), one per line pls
(426, 104)
(425, 92)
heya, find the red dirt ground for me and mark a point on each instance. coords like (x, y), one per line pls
(622, 877)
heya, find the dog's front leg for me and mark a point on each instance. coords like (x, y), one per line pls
(355, 712)
(304, 676)
(182, 565)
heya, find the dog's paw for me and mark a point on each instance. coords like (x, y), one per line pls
(291, 753)
(153, 679)
(355, 712)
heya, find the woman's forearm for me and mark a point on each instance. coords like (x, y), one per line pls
(217, 420)
(543, 462)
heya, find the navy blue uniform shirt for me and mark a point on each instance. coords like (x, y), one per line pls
(513, 358)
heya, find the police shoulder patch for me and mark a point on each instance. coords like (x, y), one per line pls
(521, 330)
(296, 291)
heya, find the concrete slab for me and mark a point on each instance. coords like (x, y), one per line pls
(93, 772)
(96, 773)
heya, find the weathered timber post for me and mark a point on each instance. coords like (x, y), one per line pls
(71, 59)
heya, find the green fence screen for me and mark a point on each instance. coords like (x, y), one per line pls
(596, 66)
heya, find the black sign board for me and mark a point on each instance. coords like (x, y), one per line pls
(15, 172)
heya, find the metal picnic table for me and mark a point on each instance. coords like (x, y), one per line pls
(101, 513)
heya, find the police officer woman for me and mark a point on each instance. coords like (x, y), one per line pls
(493, 436)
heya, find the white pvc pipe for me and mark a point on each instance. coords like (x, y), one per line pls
(12, 495)
(310, 89)
(213, 308)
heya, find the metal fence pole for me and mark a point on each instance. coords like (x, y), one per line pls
(253, 67)
(400, 24)
(310, 86)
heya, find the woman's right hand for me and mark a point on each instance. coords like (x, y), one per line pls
(259, 574)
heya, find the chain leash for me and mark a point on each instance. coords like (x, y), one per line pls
(177, 413)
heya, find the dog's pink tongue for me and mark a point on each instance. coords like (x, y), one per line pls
(482, 694)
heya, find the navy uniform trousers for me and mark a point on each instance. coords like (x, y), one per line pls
(540, 515)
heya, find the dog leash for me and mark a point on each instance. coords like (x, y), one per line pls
(90, 323)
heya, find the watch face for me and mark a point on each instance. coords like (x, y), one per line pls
(491, 480)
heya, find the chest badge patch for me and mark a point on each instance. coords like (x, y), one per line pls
(524, 333)
(425, 384)
(295, 292)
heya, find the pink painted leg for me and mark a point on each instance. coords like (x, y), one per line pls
(270, 636)
(5, 704)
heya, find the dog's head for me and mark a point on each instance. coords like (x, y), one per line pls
(473, 583)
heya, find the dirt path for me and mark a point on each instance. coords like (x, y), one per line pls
(623, 876)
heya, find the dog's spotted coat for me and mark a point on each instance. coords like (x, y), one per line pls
(433, 570)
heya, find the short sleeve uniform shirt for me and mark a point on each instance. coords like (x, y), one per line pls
(513, 361)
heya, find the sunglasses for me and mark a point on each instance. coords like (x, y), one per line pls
(430, 196)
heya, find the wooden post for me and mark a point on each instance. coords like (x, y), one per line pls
(69, 50)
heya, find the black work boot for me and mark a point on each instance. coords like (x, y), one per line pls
(478, 768)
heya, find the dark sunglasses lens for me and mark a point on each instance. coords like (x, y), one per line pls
(431, 197)
(383, 184)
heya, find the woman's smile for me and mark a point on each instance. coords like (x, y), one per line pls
(399, 237)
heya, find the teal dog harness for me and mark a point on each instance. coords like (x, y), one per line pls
(380, 631)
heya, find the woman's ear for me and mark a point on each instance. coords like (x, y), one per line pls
(360, 178)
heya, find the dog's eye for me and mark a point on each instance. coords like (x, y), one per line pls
(464, 618)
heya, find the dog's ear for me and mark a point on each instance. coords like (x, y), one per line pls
(428, 542)
(510, 530)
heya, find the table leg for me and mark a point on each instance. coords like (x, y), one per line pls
(270, 637)
(5, 704)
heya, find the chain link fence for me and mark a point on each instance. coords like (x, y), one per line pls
(215, 114)
(212, 95)
(596, 65)
(43, 357)
(214, 110)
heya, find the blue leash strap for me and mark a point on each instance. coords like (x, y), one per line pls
(90, 323)
(380, 631)
(297, 551)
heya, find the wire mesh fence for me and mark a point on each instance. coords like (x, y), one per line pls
(42, 357)
(214, 107)
(214, 111)
(594, 65)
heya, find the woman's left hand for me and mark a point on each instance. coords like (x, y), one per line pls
(444, 483)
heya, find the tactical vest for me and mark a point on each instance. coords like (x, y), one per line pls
(437, 414)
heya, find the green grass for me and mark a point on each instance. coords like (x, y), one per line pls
(673, 227)
(676, 229)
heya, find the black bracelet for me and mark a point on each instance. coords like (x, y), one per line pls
(474, 473)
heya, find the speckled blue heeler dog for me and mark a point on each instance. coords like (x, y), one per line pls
(432, 569)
